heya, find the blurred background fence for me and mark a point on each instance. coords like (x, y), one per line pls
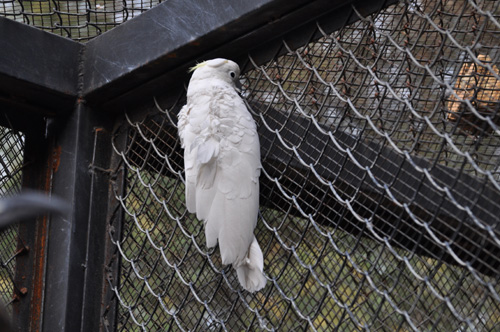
(380, 191)
(12, 148)
(78, 20)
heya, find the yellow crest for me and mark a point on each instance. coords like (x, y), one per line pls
(198, 65)
(212, 63)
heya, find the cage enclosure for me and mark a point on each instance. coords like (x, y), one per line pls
(379, 128)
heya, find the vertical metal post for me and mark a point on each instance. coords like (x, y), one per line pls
(32, 235)
(73, 253)
(97, 236)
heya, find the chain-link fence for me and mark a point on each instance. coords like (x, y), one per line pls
(11, 165)
(379, 203)
(379, 192)
(78, 20)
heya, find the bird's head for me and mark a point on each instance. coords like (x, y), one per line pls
(222, 69)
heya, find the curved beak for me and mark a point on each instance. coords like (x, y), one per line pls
(238, 85)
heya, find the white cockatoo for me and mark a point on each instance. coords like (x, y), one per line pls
(222, 165)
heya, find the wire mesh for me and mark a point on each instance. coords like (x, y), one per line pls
(371, 138)
(11, 164)
(75, 19)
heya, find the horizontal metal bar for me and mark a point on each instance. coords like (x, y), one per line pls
(124, 65)
(38, 70)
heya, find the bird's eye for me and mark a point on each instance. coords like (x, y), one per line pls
(233, 74)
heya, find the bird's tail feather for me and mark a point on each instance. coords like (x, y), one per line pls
(250, 270)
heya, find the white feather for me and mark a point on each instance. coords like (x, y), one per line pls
(222, 166)
(250, 270)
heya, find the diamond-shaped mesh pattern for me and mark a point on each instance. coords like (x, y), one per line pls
(75, 19)
(11, 162)
(379, 193)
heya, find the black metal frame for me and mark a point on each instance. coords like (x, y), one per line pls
(72, 93)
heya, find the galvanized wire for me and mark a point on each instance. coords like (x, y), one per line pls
(78, 20)
(11, 165)
(371, 137)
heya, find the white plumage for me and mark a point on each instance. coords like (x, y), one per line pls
(222, 165)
